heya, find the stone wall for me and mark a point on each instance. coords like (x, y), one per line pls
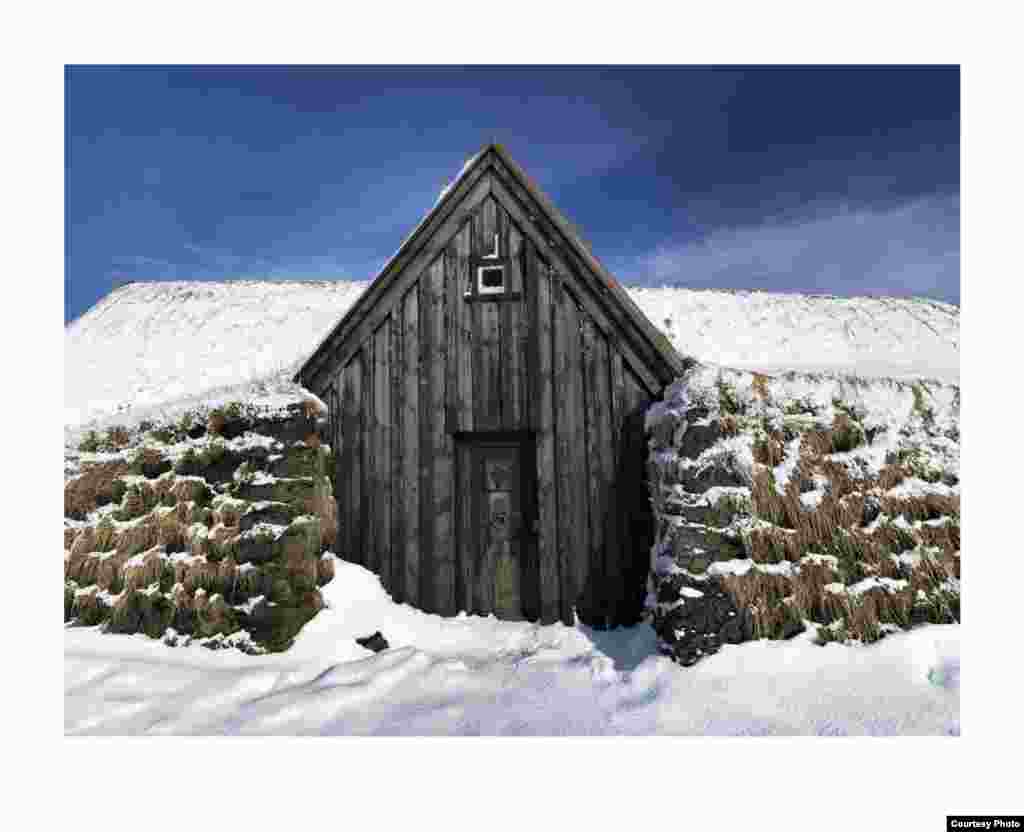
(213, 528)
(788, 502)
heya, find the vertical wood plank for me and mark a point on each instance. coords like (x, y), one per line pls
(452, 304)
(483, 571)
(426, 447)
(353, 406)
(466, 575)
(487, 412)
(396, 327)
(637, 520)
(487, 227)
(576, 431)
(604, 423)
(547, 494)
(410, 479)
(444, 553)
(382, 461)
(463, 323)
(565, 344)
(345, 462)
(369, 512)
(619, 556)
(512, 242)
(594, 437)
(514, 337)
(337, 451)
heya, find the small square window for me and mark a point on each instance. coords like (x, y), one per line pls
(491, 280)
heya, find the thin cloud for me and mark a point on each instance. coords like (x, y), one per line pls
(909, 249)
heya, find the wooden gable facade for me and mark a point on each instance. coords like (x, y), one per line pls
(487, 395)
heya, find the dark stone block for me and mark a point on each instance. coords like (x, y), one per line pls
(153, 470)
(872, 508)
(255, 549)
(732, 631)
(376, 642)
(278, 514)
(292, 429)
(698, 438)
(234, 427)
(792, 627)
(709, 477)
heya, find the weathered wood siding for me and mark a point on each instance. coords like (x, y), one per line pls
(543, 360)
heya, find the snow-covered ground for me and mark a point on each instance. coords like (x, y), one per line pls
(471, 675)
(147, 344)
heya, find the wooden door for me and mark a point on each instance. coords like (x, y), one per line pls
(499, 550)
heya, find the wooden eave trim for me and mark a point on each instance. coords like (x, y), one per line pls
(605, 282)
(346, 344)
(313, 365)
(605, 322)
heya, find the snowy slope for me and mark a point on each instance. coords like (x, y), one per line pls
(149, 343)
(472, 675)
(772, 333)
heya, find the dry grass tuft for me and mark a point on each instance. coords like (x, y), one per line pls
(760, 386)
(927, 507)
(105, 536)
(70, 533)
(769, 600)
(890, 476)
(169, 533)
(89, 609)
(81, 567)
(189, 490)
(756, 589)
(118, 436)
(138, 537)
(202, 574)
(92, 488)
(326, 509)
(228, 514)
(213, 615)
(85, 541)
(150, 571)
(847, 434)
(769, 451)
(324, 571)
(215, 423)
(810, 596)
(310, 409)
(945, 537)
(109, 572)
(817, 443)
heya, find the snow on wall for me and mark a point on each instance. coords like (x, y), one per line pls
(147, 344)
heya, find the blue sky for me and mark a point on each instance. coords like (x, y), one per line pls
(838, 180)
